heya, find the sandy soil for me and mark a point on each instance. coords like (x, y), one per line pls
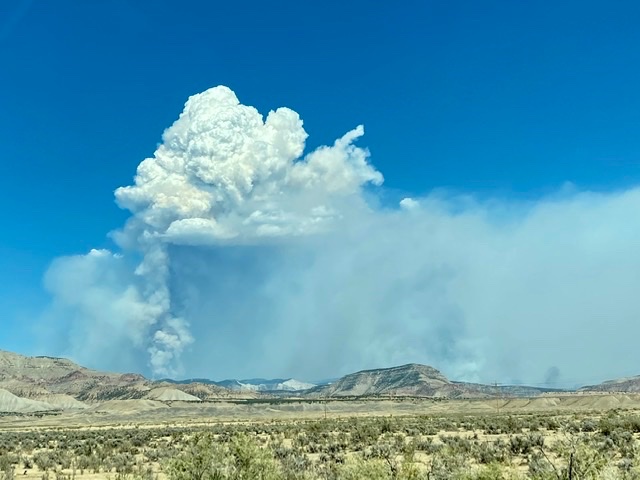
(155, 412)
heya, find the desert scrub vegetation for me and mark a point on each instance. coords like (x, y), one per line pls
(466, 447)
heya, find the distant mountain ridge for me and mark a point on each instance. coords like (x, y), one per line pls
(408, 380)
(415, 380)
(51, 384)
(58, 383)
(253, 384)
(622, 385)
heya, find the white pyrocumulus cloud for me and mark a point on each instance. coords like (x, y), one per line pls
(243, 256)
(222, 175)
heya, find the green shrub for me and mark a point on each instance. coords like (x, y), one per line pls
(240, 459)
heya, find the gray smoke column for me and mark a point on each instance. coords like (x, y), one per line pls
(223, 175)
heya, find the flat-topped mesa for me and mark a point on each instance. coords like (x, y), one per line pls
(406, 380)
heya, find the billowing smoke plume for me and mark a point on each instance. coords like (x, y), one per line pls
(244, 257)
(222, 175)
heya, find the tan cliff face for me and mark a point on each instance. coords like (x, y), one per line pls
(406, 380)
(34, 384)
(415, 380)
(34, 376)
(34, 369)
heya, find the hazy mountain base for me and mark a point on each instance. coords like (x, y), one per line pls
(276, 385)
(48, 385)
(150, 412)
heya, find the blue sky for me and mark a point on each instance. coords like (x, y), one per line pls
(497, 99)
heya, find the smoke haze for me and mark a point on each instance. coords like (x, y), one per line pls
(243, 257)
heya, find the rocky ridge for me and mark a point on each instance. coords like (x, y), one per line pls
(50, 384)
(60, 384)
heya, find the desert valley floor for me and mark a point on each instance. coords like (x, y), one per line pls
(435, 439)
(64, 421)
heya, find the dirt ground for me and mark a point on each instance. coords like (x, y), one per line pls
(154, 415)
(150, 412)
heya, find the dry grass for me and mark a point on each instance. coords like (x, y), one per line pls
(130, 439)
